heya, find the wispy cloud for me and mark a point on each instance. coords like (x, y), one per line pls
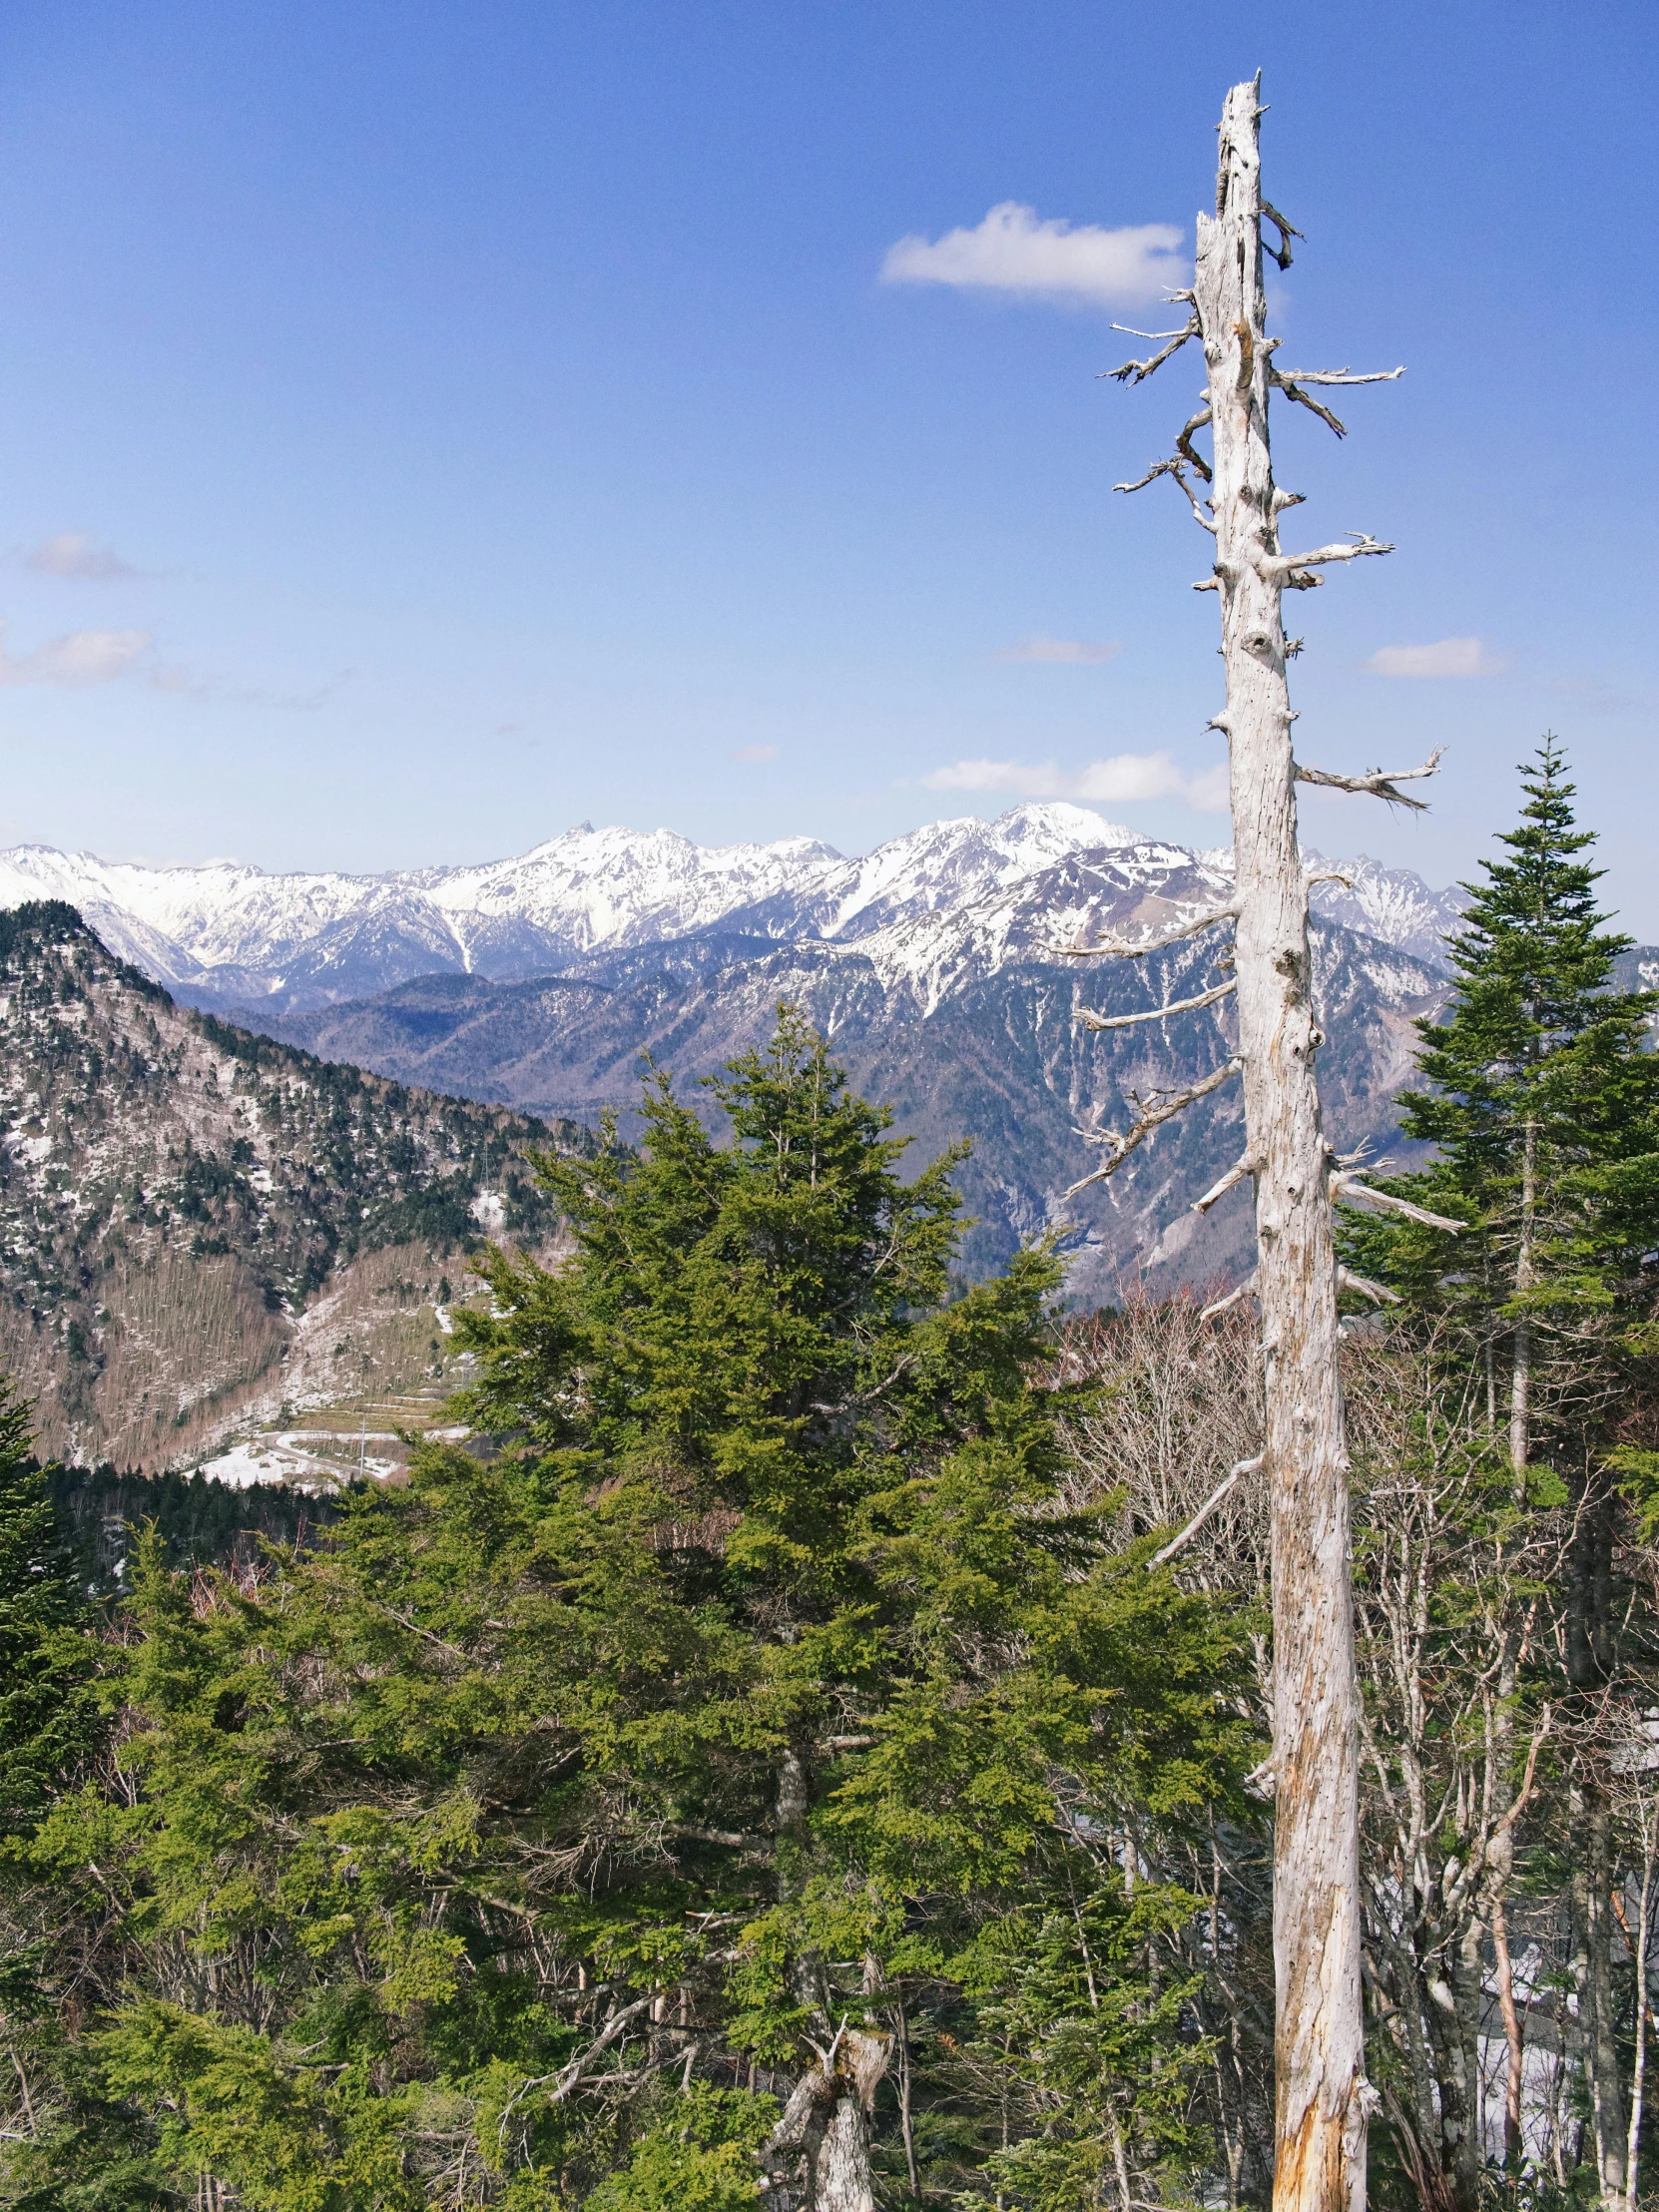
(1079, 651)
(1597, 698)
(77, 659)
(1119, 780)
(1451, 657)
(1013, 251)
(752, 756)
(71, 553)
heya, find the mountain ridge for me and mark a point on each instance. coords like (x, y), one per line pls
(966, 1022)
(226, 933)
(176, 1195)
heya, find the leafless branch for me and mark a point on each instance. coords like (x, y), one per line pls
(1166, 1106)
(1184, 443)
(1378, 783)
(1288, 567)
(1121, 949)
(1092, 1021)
(569, 2076)
(1287, 231)
(1235, 1175)
(1528, 1778)
(1136, 373)
(1174, 470)
(1329, 875)
(1306, 400)
(1378, 1293)
(1179, 1543)
(1348, 1186)
(1225, 1305)
(1340, 376)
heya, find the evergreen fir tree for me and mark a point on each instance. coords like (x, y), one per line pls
(1545, 1116)
(45, 1649)
(758, 1717)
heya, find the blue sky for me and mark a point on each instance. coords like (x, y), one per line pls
(424, 426)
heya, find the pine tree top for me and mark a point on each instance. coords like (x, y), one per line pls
(1536, 917)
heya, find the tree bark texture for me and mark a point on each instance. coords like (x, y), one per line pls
(1322, 2097)
(820, 2149)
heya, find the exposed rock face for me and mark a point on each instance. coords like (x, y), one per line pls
(174, 1193)
(963, 1020)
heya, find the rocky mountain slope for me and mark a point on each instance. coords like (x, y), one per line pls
(176, 1195)
(965, 1021)
(227, 934)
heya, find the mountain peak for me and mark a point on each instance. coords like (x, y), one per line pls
(1060, 819)
(229, 935)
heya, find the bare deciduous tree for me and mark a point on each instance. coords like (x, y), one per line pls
(1322, 2096)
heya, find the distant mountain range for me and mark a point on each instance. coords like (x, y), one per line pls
(932, 965)
(231, 936)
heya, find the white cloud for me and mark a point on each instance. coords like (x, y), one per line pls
(1452, 656)
(78, 658)
(1117, 781)
(1012, 251)
(753, 755)
(71, 553)
(1078, 651)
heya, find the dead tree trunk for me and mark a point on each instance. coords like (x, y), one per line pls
(1322, 2096)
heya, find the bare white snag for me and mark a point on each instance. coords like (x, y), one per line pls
(1324, 2100)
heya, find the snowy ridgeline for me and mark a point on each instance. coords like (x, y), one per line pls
(228, 935)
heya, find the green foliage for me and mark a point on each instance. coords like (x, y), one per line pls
(1544, 1111)
(201, 1520)
(761, 1681)
(45, 1650)
(696, 2155)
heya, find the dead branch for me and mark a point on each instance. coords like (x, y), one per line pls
(1235, 1175)
(1092, 1021)
(1306, 400)
(1175, 472)
(569, 2076)
(1288, 568)
(1223, 1305)
(1137, 373)
(1340, 376)
(1348, 1186)
(1167, 1105)
(1179, 1543)
(1287, 231)
(1120, 947)
(1328, 876)
(1183, 442)
(1378, 1293)
(1377, 782)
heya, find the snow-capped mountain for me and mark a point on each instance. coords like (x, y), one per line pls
(227, 934)
(1393, 904)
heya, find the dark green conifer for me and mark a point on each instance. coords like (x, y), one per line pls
(44, 1644)
(1545, 1116)
(759, 1706)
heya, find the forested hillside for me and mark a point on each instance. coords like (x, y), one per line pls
(174, 1192)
